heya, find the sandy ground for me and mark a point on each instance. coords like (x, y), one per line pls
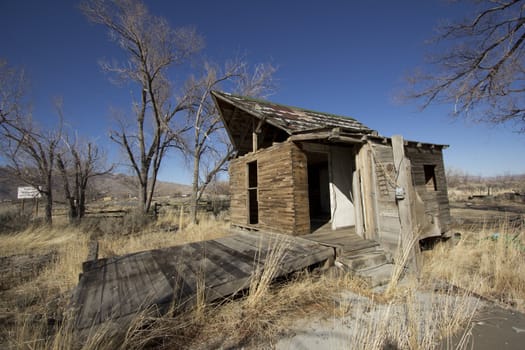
(492, 327)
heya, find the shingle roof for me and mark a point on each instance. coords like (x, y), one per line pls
(292, 120)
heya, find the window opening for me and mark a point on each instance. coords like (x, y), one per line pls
(253, 202)
(430, 177)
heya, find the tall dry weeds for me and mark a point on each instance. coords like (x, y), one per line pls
(490, 263)
(152, 237)
(38, 301)
(407, 319)
(417, 320)
(266, 268)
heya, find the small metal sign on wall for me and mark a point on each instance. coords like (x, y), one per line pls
(28, 192)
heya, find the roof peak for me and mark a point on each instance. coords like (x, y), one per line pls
(263, 101)
(292, 119)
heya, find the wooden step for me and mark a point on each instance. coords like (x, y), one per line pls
(364, 260)
(378, 275)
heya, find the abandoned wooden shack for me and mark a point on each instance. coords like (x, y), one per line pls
(297, 170)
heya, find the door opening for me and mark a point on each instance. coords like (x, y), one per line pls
(318, 189)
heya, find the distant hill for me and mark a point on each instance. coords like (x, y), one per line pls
(123, 186)
(110, 185)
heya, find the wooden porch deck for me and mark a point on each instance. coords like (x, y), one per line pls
(344, 240)
(118, 287)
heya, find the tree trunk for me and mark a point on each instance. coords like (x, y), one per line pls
(72, 212)
(152, 188)
(195, 188)
(49, 208)
(143, 194)
(81, 204)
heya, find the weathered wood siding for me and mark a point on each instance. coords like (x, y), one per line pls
(238, 191)
(377, 182)
(282, 189)
(300, 179)
(436, 201)
(384, 174)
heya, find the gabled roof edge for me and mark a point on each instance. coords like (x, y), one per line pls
(214, 96)
(224, 97)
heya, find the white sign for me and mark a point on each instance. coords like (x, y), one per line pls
(28, 192)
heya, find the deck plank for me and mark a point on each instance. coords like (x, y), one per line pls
(267, 241)
(161, 289)
(89, 300)
(128, 284)
(127, 288)
(183, 279)
(346, 240)
(223, 258)
(108, 309)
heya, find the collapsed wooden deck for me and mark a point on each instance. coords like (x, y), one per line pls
(118, 287)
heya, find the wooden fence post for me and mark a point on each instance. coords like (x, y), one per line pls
(181, 216)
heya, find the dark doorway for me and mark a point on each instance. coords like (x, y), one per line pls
(253, 202)
(318, 189)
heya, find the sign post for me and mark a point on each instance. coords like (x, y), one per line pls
(29, 192)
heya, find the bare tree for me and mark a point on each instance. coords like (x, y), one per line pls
(209, 149)
(12, 92)
(482, 74)
(31, 155)
(78, 163)
(152, 47)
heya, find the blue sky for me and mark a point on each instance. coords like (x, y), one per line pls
(341, 57)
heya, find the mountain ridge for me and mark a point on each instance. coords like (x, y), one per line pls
(115, 185)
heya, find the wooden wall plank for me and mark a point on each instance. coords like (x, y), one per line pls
(436, 202)
(282, 189)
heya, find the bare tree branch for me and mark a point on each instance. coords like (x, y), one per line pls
(31, 155)
(79, 162)
(205, 118)
(152, 47)
(12, 92)
(482, 74)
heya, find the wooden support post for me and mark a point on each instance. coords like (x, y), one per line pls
(369, 194)
(255, 142)
(356, 187)
(404, 198)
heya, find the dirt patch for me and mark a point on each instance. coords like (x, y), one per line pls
(417, 320)
(493, 328)
(477, 216)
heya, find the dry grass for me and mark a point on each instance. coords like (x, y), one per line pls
(34, 296)
(30, 306)
(412, 320)
(152, 237)
(264, 273)
(490, 263)
(260, 318)
(402, 316)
